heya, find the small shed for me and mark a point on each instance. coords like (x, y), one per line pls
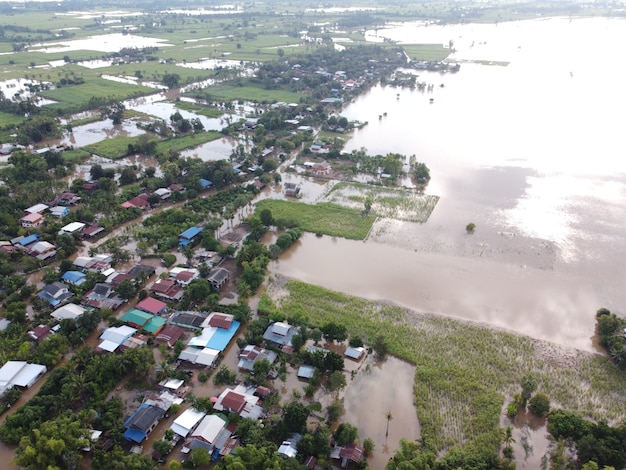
(306, 372)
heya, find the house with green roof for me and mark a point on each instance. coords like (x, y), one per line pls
(155, 325)
(143, 321)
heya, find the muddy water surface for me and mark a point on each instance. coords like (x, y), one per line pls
(377, 389)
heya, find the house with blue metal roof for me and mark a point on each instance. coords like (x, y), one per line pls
(206, 184)
(142, 422)
(55, 293)
(25, 241)
(189, 235)
(74, 277)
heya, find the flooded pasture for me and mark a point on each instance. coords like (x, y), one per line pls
(97, 131)
(219, 149)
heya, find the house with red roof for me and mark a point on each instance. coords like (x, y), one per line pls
(169, 335)
(168, 289)
(140, 202)
(348, 453)
(240, 402)
(220, 320)
(34, 219)
(152, 305)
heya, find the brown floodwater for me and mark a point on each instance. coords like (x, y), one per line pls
(532, 444)
(544, 304)
(379, 388)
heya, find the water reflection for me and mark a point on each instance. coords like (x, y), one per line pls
(97, 131)
(113, 42)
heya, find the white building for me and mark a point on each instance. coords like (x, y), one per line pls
(112, 338)
(71, 311)
(20, 374)
(208, 429)
(37, 209)
(203, 356)
(72, 228)
(187, 421)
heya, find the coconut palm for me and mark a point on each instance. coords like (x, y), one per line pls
(508, 439)
(389, 417)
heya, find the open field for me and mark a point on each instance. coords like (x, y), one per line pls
(79, 95)
(434, 52)
(199, 109)
(465, 371)
(7, 119)
(250, 93)
(186, 141)
(114, 149)
(117, 147)
(325, 218)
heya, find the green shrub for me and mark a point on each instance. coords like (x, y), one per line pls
(511, 410)
(540, 404)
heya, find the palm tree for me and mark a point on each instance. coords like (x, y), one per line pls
(389, 417)
(508, 439)
(78, 384)
(163, 371)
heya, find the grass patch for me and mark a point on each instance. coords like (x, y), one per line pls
(392, 203)
(199, 109)
(177, 144)
(7, 119)
(87, 120)
(78, 96)
(464, 371)
(117, 147)
(75, 156)
(114, 148)
(251, 93)
(326, 218)
(434, 52)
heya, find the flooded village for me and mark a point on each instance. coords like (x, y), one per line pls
(256, 250)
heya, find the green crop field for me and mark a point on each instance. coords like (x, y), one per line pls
(79, 95)
(434, 52)
(7, 119)
(111, 148)
(250, 93)
(187, 141)
(199, 109)
(325, 218)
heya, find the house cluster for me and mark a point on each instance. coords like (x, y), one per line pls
(31, 245)
(322, 168)
(144, 201)
(59, 208)
(35, 216)
(214, 432)
(216, 330)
